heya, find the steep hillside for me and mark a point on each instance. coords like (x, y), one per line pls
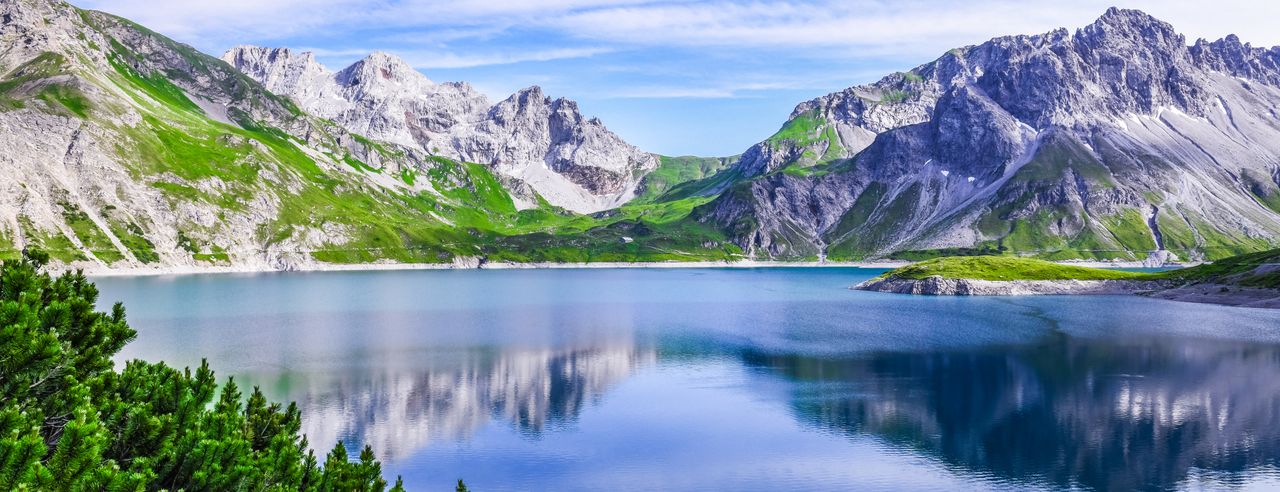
(1117, 141)
(120, 148)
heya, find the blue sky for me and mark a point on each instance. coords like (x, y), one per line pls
(674, 77)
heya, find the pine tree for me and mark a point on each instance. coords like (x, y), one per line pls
(69, 421)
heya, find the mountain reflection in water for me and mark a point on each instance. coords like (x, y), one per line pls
(770, 379)
(398, 411)
(1074, 412)
(1067, 411)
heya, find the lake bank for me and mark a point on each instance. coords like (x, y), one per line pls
(1251, 280)
(1225, 295)
(940, 286)
(473, 265)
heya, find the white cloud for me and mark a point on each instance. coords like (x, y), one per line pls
(227, 20)
(889, 28)
(750, 86)
(453, 60)
(877, 25)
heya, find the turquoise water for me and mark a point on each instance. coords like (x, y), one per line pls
(740, 379)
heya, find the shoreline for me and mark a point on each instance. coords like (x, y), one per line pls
(1209, 293)
(942, 286)
(374, 267)
(476, 264)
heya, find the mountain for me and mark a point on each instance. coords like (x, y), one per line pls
(569, 160)
(1116, 141)
(120, 148)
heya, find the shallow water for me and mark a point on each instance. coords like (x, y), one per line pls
(743, 379)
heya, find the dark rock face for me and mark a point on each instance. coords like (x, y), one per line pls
(1112, 142)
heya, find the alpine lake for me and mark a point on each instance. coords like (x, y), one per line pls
(734, 378)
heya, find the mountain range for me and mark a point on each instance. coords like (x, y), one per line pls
(123, 149)
(1115, 141)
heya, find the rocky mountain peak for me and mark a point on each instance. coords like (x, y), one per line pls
(1062, 134)
(531, 95)
(529, 138)
(281, 70)
(261, 54)
(380, 68)
(272, 60)
(567, 107)
(1127, 26)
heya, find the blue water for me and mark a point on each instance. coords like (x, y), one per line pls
(737, 379)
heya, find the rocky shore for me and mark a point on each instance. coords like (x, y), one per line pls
(1227, 295)
(1208, 293)
(940, 286)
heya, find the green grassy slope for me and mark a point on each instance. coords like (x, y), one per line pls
(815, 136)
(1005, 268)
(673, 172)
(1260, 270)
(380, 203)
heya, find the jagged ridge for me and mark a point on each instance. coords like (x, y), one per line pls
(1117, 141)
(570, 161)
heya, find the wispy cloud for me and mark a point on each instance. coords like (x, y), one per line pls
(735, 88)
(453, 60)
(428, 59)
(907, 26)
(874, 27)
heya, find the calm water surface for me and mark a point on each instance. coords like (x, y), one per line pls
(743, 379)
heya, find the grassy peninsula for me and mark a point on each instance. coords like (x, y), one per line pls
(1261, 270)
(1245, 280)
(1004, 268)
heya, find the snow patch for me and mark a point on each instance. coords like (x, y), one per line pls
(946, 173)
(969, 179)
